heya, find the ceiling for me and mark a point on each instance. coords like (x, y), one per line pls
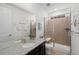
(55, 6)
(42, 8)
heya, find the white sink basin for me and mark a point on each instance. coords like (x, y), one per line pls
(28, 45)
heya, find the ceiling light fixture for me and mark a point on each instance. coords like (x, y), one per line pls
(48, 4)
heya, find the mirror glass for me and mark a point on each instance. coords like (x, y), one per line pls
(33, 28)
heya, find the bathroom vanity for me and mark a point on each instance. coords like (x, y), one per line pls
(39, 50)
(36, 47)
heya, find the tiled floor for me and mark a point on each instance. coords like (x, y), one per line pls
(57, 50)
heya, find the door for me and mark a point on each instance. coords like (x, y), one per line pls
(5, 26)
(58, 28)
(61, 29)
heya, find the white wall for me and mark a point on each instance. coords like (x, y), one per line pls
(14, 24)
(37, 10)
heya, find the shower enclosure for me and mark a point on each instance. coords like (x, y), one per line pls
(57, 31)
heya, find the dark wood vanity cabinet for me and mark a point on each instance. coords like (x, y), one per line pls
(39, 50)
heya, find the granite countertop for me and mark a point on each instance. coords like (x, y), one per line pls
(18, 49)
